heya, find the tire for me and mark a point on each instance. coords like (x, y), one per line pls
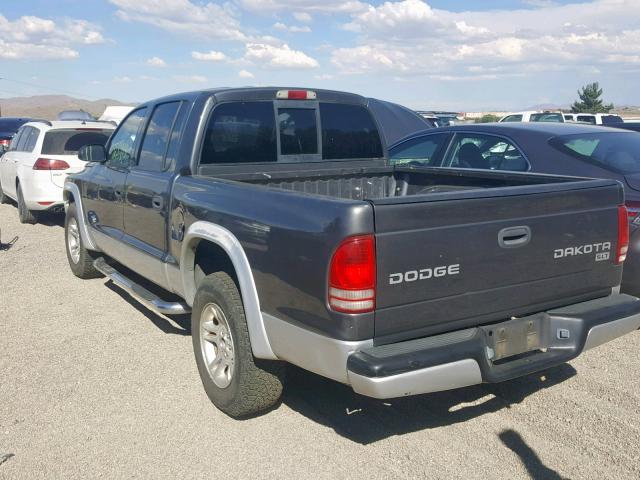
(3, 197)
(239, 384)
(24, 214)
(80, 259)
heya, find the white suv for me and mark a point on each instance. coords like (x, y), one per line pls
(39, 158)
(534, 116)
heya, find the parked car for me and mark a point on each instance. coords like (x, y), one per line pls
(40, 156)
(634, 126)
(8, 128)
(440, 118)
(594, 118)
(568, 149)
(276, 218)
(78, 115)
(115, 113)
(534, 116)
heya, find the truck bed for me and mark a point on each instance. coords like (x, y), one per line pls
(377, 183)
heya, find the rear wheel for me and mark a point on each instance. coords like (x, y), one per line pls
(235, 381)
(80, 259)
(24, 214)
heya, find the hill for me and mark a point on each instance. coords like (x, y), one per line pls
(48, 106)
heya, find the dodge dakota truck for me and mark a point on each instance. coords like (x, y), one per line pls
(274, 217)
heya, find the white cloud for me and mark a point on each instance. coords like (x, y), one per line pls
(245, 74)
(210, 56)
(324, 76)
(156, 62)
(303, 6)
(31, 37)
(274, 56)
(190, 78)
(201, 20)
(123, 79)
(409, 37)
(303, 17)
(291, 28)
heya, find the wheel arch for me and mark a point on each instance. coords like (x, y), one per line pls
(71, 194)
(214, 239)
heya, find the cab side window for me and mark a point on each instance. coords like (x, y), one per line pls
(485, 152)
(156, 139)
(121, 151)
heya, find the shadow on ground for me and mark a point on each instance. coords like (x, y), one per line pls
(365, 420)
(536, 469)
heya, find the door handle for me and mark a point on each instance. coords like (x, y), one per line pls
(157, 202)
(513, 237)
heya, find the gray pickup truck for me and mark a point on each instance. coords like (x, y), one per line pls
(275, 218)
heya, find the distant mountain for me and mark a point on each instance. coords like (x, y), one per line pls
(48, 106)
(546, 106)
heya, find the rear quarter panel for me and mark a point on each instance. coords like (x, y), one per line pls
(288, 238)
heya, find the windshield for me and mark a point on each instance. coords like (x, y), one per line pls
(547, 117)
(615, 151)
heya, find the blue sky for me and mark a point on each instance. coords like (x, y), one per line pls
(463, 55)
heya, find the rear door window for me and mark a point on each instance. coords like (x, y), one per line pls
(30, 143)
(485, 152)
(241, 132)
(16, 139)
(69, 141)
(422, 151)
(587, 119)
(156, 139)
(26, 131)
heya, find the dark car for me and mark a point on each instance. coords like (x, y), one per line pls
(8, 128)
(633, 126)
(552, 148)
(275, 217)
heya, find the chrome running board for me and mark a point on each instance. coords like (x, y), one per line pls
(138, 292)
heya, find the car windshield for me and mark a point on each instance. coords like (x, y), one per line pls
(68, 142)
(615, 151)
(546, 117)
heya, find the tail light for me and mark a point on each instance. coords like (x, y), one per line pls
(5, 142)
(623, 234)
(48, 164)
(352, 276)
(295, 95)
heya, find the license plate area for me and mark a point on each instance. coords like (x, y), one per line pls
(514, 337)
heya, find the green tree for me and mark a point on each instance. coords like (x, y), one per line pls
(488, 118)
(590, 101)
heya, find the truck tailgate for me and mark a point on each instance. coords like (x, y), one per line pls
(460, 259)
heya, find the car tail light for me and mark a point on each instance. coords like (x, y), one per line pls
(49, 164)
(352, 276)
(623, 234)
(5, 142)
(295, 95)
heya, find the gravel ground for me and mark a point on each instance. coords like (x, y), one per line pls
(93, 385)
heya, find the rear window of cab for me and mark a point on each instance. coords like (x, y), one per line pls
(262, 132)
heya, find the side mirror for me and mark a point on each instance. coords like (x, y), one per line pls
(93, 153)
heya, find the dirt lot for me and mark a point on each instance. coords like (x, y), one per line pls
(93, 385)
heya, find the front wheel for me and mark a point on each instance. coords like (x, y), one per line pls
(80, 259)
(235, 381)
(24, 214)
